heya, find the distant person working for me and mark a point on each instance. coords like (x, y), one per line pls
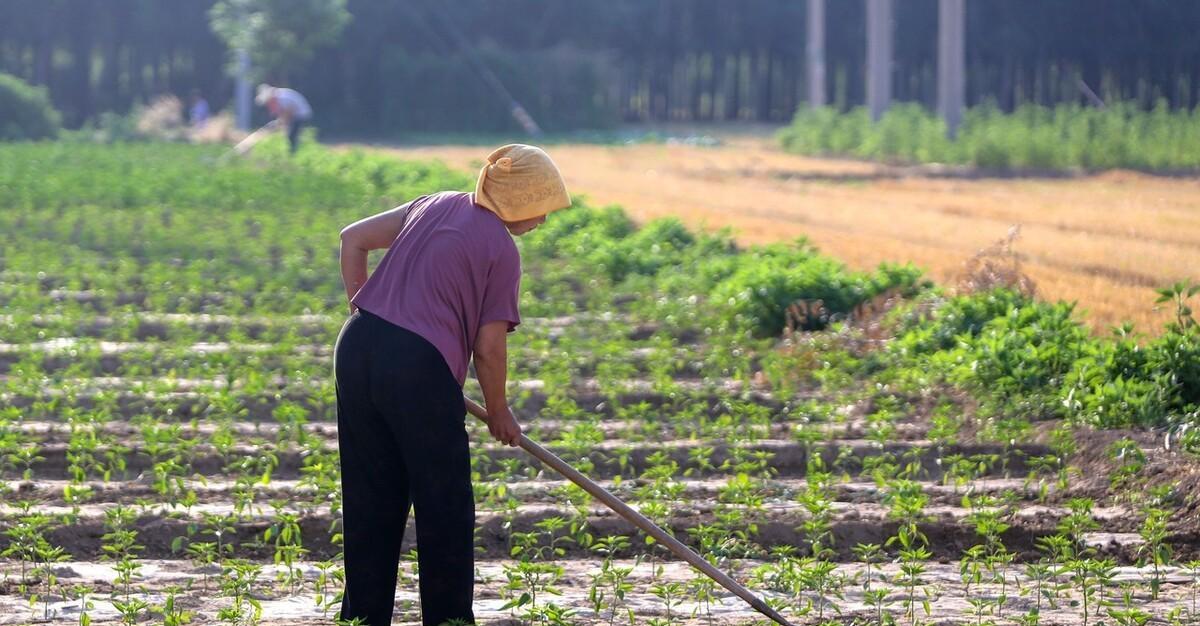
(199, 112)
(288, 107)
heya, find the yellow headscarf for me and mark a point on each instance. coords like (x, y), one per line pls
(520, 182)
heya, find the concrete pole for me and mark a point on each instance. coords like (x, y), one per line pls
(815, 49)
(952, 83)
(879, 56)
(241, 94)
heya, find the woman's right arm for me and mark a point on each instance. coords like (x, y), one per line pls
(371, 233)
(491, 369)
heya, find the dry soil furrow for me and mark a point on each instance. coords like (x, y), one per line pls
(298, 607)
(608, 458)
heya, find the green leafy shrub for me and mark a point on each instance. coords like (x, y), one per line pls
(1111, 386)
(930, 326)
(1120, 383)
(25, 111)
(1021, 358)
(770, 279)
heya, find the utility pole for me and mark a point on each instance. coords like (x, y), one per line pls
(815, 53)
(952, 83)
(879, 56)
(241, 93)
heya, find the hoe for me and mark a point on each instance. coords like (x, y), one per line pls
(637, 519)
(245, 145)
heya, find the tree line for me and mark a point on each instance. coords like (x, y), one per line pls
(414, 64)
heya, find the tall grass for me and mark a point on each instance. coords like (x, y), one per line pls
(1031, 137)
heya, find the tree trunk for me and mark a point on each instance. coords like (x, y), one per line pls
(879, 56)
(134, 66)
(760, 85)
(815, 53)
(108, 90)
(81, 64)
(735, 89)
(716, 86)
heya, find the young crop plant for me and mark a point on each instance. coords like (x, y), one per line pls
(171, 613)
(817, 527)
(533, 574)
(1077, 523)
(119, 544)
(90, 452)
(238, 578)
(907, 502)
(743, 491)
(703, 593)
(1041, 470)
(204, 555)
(130, 608)
(223, 529)
(45, 557)
(1057, 551)
(671, 593)
(995, 559)
(1088, 575)
(26, 538)
(944, 426)
(526, 580)
(870, 554)
(288, 539)
(26, 457)
(1129, 459)
(1129, 613)
(1155, 550)
(611, 584)
(881, 467)
(330, 574)
(82, 593)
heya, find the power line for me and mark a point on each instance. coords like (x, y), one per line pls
(489, 77)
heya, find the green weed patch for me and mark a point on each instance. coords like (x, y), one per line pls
(1031, 138)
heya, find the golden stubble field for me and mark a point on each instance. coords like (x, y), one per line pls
(1105, 241)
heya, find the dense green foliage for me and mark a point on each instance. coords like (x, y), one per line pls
(1025, 358)
(582, 63)
(1032, 137)
(280, 35)
(25, 111)
(751, 289)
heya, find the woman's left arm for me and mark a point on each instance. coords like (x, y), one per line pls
(359, 238)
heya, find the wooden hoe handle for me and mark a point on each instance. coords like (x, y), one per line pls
(637, 519)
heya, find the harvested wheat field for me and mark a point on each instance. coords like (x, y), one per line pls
(1104, 240)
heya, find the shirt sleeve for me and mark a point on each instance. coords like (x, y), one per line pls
(502, 294)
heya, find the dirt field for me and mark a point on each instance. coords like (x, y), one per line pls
(860, 510)
(169, 427)
(1104, 241)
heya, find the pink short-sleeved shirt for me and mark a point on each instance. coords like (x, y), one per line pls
(453, 268)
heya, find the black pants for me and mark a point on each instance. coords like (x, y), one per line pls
(293, 134)
(402, 440)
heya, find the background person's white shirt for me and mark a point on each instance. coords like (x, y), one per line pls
(291, 101)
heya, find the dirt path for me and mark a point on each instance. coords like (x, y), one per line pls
(1104, 241)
